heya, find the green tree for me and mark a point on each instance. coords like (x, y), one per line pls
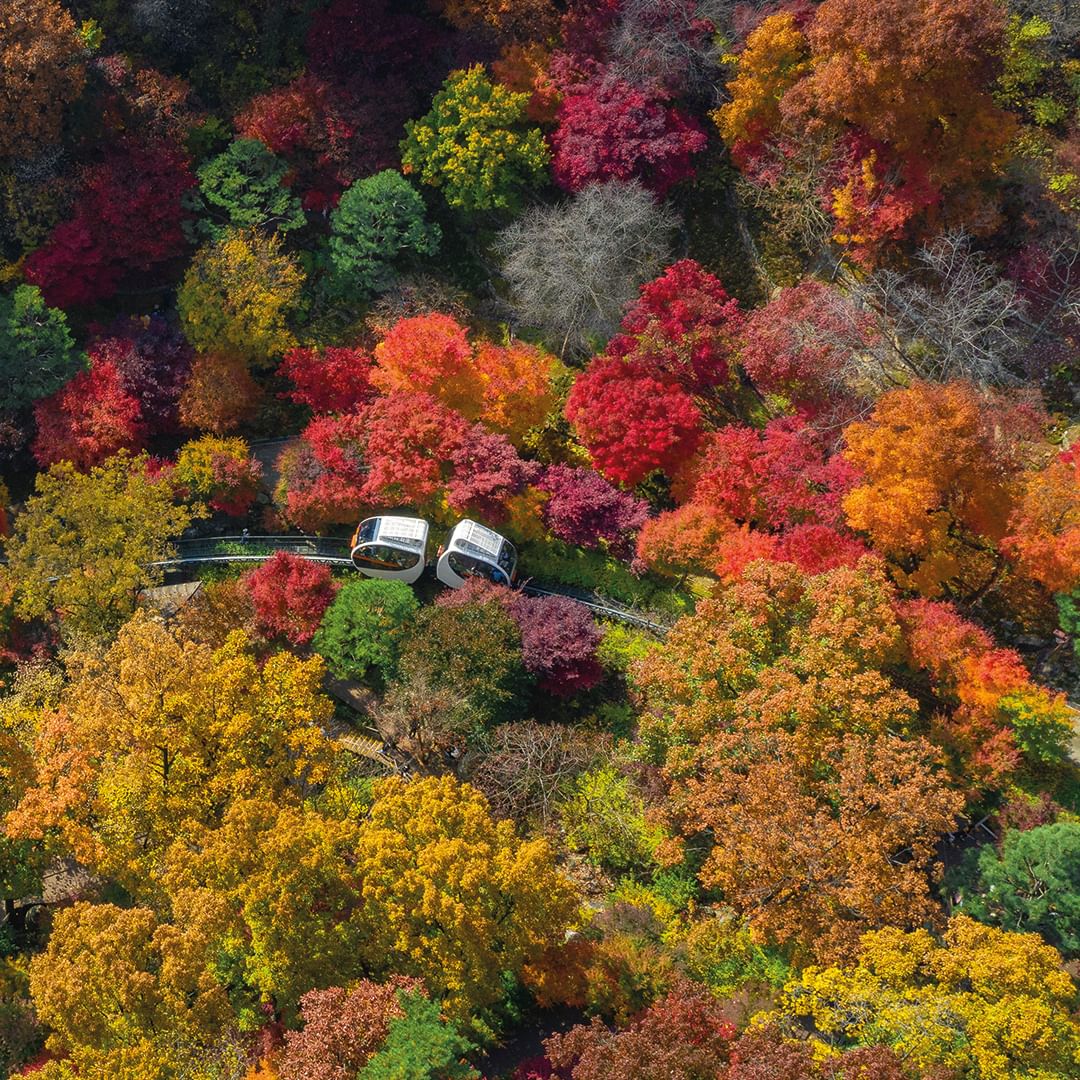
(378, 219)
(1033, 884)
(244, 187)
(473, 144)
(361, 632)
(87, 542)
(37, 351)
(473, 651)
(420, 1046)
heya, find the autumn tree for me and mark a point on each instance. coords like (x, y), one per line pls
(447, 921)
(87, 542)
(129, 220)
(273, 887)
(153, 361)
(429, 354)
(474, 145)
(583, 508)
(322, 480)
(90, 418)
(111, 976)
(774, 57)
(573, 268)
(244, 188)
(291, 595)
(781, 686)
(157, 735)
(1044, 529)
(329, 380)
(684, 325)
(342, 1029)
(610, 130)
(41, 62)
(37, 351)
(220, 472)
(220, 395)
(982, 1001)
(632, 419)
(558, 643)
(866, 59)
(378, 221)
(686, 1035)
(800, 344)
(530, 20)
(508, 387)
(237, 295)
(939, 465)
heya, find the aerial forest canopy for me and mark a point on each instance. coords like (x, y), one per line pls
(540, 539)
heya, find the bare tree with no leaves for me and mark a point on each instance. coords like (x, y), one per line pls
(573, 268)
(530, 768)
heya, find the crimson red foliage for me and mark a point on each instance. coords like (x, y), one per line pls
(609, 130)
(330, 380)
(684, 324)
(87, 420)
(129, 219)
(410, 440)
(290, 596)
(633, 420)
(775, 478)
(323, 476)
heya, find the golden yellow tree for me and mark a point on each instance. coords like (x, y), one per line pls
(452, 896)
(156, 736)
(86, 542)
(988, 1003)
(237, 295)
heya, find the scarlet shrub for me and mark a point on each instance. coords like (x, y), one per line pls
(87, 420)
(632, 420)
(291, 595)
(486, 473)
(322, 478)
(330, 380)
(609, 130)
(685, 325)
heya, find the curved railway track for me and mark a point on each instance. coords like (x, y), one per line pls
(335, 552)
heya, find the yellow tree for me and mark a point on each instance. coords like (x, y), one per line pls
(776, 56)
(988, 1003)
(275, 888)
(156, 736)
(452, 896)
(237, 294)
(112, 976)
(86, 542)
